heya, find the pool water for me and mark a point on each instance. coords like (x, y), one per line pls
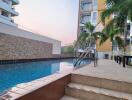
(13, 74)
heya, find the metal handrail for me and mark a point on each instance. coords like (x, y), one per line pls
(83, 55)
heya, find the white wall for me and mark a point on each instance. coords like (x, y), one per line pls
(101, 54)
(6, 29)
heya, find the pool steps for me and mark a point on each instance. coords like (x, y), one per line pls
(84, 87)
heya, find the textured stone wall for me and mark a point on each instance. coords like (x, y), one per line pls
(15, 31)
(12, 47)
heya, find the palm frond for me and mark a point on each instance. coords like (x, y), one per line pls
(119, 41)
(96, 35)
(90, 27)
(103, 38)
(106, 14)
(82, 38)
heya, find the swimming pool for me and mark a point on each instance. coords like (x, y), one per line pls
(13, 74)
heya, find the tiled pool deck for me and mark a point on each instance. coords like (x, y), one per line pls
(107, 69)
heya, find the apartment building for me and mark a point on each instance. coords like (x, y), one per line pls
(17, 43)
(89, 11)
(7, 11)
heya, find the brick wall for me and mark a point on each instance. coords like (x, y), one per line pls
(12, 47)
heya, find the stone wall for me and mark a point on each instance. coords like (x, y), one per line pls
(15, 31)
(12, 47)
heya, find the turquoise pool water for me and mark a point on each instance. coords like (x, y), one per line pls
(13, 74)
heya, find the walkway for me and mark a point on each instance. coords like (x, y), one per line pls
(107, 81)
(107, 69)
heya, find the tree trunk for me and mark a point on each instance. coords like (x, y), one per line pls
(125, 36)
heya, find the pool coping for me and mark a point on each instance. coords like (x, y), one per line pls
(15, 61)
(23, 89)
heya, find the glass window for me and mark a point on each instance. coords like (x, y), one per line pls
(95, 4)
(94, 17)
(85, 19)
(86, 6)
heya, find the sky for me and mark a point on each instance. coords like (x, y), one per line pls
(53, 18)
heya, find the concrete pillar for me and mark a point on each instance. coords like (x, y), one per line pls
(131, 38)
(0, 11)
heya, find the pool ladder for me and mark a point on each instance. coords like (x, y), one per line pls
(87, 51)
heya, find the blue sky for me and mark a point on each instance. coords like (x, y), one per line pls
(53, 18)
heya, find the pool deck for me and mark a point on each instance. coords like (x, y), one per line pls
(107, 81)
(107, 69)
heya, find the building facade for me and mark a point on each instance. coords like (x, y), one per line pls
(7, 11)
(16, 43)
(89, 11)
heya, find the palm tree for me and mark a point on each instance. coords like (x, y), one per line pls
(112, 34)
(87, 37)
(118, 24)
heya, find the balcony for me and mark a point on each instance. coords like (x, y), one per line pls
(85, 18)
(84, 21)
(7, 21)
(86, 6)
(15, 2)
(86, 9)
(14, 13)
(8, 8)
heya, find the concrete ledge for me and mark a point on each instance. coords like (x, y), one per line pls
(41, 88)
(14, 61)
(52, 91)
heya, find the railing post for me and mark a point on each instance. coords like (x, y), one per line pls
(127, 58)
(124, 61)
(119, 59)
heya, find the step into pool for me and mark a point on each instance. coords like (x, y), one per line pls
(13, 74)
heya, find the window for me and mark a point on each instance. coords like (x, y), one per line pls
(86, 6)
(95, 5)
(94, 17)
(85, 19)
(4, 13)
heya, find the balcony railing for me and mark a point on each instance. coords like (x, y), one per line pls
(87, 8)
(8, 8)
(86, 5)
(6, 1)
(86, 1)
(7, 20)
